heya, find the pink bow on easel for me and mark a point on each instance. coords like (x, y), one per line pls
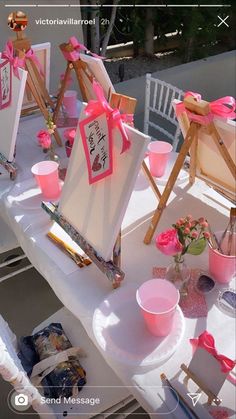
(207, 342)
(223, 108)
(114, 117)
(80, 47)
(15, 62)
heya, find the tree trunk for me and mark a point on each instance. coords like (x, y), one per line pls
(110, 27)
(84, 15)
(189, 50)
(95, 29)
(149, 33)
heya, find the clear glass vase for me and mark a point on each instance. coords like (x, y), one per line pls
(178, 272)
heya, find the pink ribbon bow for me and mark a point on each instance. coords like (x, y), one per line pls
(80, 47)
(223, 108)
(207, 342)
(115, 119)
(15, 62)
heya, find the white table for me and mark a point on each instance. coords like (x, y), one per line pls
(82, 290)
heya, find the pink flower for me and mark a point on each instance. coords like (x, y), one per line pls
(194, 234)
(186, 230)
(204, 224)
(69, 134)
(44, 139)
(206, 234)
(168, 242)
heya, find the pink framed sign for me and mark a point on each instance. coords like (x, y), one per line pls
(96, 134)
(5, 84)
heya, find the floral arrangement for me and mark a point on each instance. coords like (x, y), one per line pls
(44, 136)
(187, 236)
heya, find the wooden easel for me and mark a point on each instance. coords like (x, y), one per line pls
(125, 104)
(81, 69)
(190, 143)
(34, 83)
(111, 268)
(212, 398)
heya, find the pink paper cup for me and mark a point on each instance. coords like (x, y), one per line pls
(46, 175)
(158, 299)
(159, 153)
(70, 103)
(222, 267)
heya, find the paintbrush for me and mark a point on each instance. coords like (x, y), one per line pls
(182, 402)
(213, 241)
(67, 252)
(84, 259)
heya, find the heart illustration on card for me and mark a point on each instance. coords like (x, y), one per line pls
(96, 165)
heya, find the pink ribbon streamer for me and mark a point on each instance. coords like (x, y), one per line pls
(31, 56)
(80, 47)
(223, 108)
(15, 62)
(115, 119)
(207, 342)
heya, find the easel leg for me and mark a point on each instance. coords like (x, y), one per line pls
(191, 135)
(78, 70)
(62, 92)
(193, 161)
(39, 99)
(223, 150)
(117, 251)
(154, 187)
(41, 84)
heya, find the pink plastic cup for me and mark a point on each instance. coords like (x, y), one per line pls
(222, 267)
(70, 103)
(159, 153)
(46, 175)
(158, 299)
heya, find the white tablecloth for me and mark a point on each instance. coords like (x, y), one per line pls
(83, 290)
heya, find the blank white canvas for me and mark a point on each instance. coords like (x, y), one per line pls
(208, 370)
(207, 152)
(96, 211)
(99, 71)
(9, 117)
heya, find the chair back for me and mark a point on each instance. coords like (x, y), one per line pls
(159, 118)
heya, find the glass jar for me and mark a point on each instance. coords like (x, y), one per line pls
(178, 272)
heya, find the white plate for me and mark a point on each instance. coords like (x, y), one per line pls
(26, 194)
(183, 174)
(120, 330)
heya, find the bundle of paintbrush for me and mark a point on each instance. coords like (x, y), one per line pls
(226, 244)
(81, 260)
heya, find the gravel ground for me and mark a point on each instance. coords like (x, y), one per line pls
(136, 67)
(139, 66)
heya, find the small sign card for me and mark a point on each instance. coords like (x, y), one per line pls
(97, 142)
(5, 84)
